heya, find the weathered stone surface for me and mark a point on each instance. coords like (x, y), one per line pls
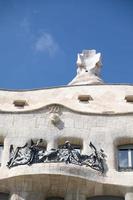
(107, 121)
(129, 196)
(107, 99)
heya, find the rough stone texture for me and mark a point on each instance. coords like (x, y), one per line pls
(107, 121)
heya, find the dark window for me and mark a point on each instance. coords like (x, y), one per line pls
(74, 146)
(37, 146)
(85, 98)
(125, 157)
(4, 196)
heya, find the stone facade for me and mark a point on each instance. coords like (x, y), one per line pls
(57, 115)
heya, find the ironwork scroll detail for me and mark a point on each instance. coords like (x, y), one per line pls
(35, 153)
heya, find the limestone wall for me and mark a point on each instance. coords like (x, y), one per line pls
(107, 122)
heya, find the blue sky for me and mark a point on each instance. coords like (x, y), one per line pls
(40, 39)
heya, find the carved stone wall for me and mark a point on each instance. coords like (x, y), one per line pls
(69, 181)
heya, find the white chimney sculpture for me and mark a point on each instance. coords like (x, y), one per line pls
(88, 71)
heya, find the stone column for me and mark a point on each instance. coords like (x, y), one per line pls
(85, 147)
(5, 154)
(52, 144)
(129, 196)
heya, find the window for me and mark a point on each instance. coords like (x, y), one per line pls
(20, 103)
(37, 145)
(125, 158)
(1, 152)
(76, 143)
(74, 146)
(129, 98)
(4, 196)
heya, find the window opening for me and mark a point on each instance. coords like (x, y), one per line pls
(4, 196)
(125, 158)
(20, 103)
(85, 98)
(129, 98)
(77, 147)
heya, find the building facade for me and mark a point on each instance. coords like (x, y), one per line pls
(68, 143)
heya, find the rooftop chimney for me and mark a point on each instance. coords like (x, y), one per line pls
(88, 68)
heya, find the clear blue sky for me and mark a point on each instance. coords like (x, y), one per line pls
(40, 39)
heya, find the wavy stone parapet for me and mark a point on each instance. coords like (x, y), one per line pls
(106, 99)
